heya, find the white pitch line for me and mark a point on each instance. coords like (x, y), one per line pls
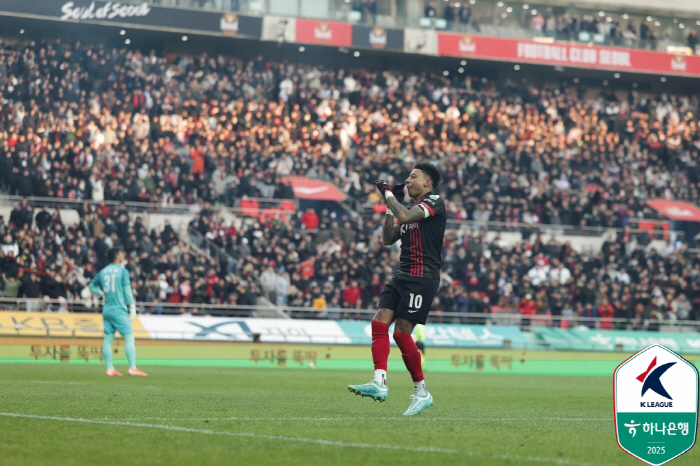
(402, 418)
(53, 382)
(333, 443)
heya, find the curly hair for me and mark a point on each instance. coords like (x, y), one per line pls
(432, 171)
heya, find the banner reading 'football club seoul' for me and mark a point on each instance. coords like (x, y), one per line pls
(574, 55)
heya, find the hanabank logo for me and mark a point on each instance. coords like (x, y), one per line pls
(651, 380)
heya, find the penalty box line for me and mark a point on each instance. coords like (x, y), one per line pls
(332, 443)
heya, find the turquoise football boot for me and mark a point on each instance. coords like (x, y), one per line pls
(419, 404)
(372, 390)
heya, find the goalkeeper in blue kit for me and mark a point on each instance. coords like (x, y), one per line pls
(114, 285)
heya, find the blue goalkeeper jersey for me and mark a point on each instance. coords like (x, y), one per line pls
(115, 283)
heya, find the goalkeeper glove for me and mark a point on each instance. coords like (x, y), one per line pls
(399, 192)
(132, 311)
(383, 187)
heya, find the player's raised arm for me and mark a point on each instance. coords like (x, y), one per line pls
(392, 231)
(404, 215)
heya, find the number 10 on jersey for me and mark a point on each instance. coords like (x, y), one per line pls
(415, 301)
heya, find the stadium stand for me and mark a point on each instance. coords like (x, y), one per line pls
(509, 153)
(85, 123)
(584, 22)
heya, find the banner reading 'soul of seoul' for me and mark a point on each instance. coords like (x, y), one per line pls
(581, 56)
(142, 14)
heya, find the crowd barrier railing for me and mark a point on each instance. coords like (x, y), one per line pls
(496, 316)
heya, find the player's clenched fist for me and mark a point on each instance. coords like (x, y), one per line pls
(382, 186)
(399, 192)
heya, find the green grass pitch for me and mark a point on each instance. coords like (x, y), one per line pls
(74, 415)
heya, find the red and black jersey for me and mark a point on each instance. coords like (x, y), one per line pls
(421, 242)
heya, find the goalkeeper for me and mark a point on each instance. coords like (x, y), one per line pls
(114, 285)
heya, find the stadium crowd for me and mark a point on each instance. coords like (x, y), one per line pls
(341, 264)
(51, 264)
(83, 122)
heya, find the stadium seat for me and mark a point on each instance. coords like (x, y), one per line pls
(273, 214)
(288, 206)
(647, 225)
(249, 207)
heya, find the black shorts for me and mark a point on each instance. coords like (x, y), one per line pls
(409, 297)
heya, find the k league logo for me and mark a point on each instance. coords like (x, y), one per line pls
(652, 381)
(656, 405)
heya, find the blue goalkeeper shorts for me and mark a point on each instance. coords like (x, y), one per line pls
(119, 322)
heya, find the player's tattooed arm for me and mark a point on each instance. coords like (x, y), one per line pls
(391, 231)
(404, 215)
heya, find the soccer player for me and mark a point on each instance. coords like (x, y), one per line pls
(114, 285)
(406, 299)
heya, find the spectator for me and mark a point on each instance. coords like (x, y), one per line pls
(450, 13)
(22, 214)
(538, 273)
(371, 11)
(588, 314)
(538, 24)
(693, 40)
(528, 308)
(560, 274)
(268, 282)
(681, 307)
(430, 11)
(10, 286)
(606, 312)
(30, 288)
(43, 218)
(465, 14)
(352, 294)
(310, 219)
(282, 286)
